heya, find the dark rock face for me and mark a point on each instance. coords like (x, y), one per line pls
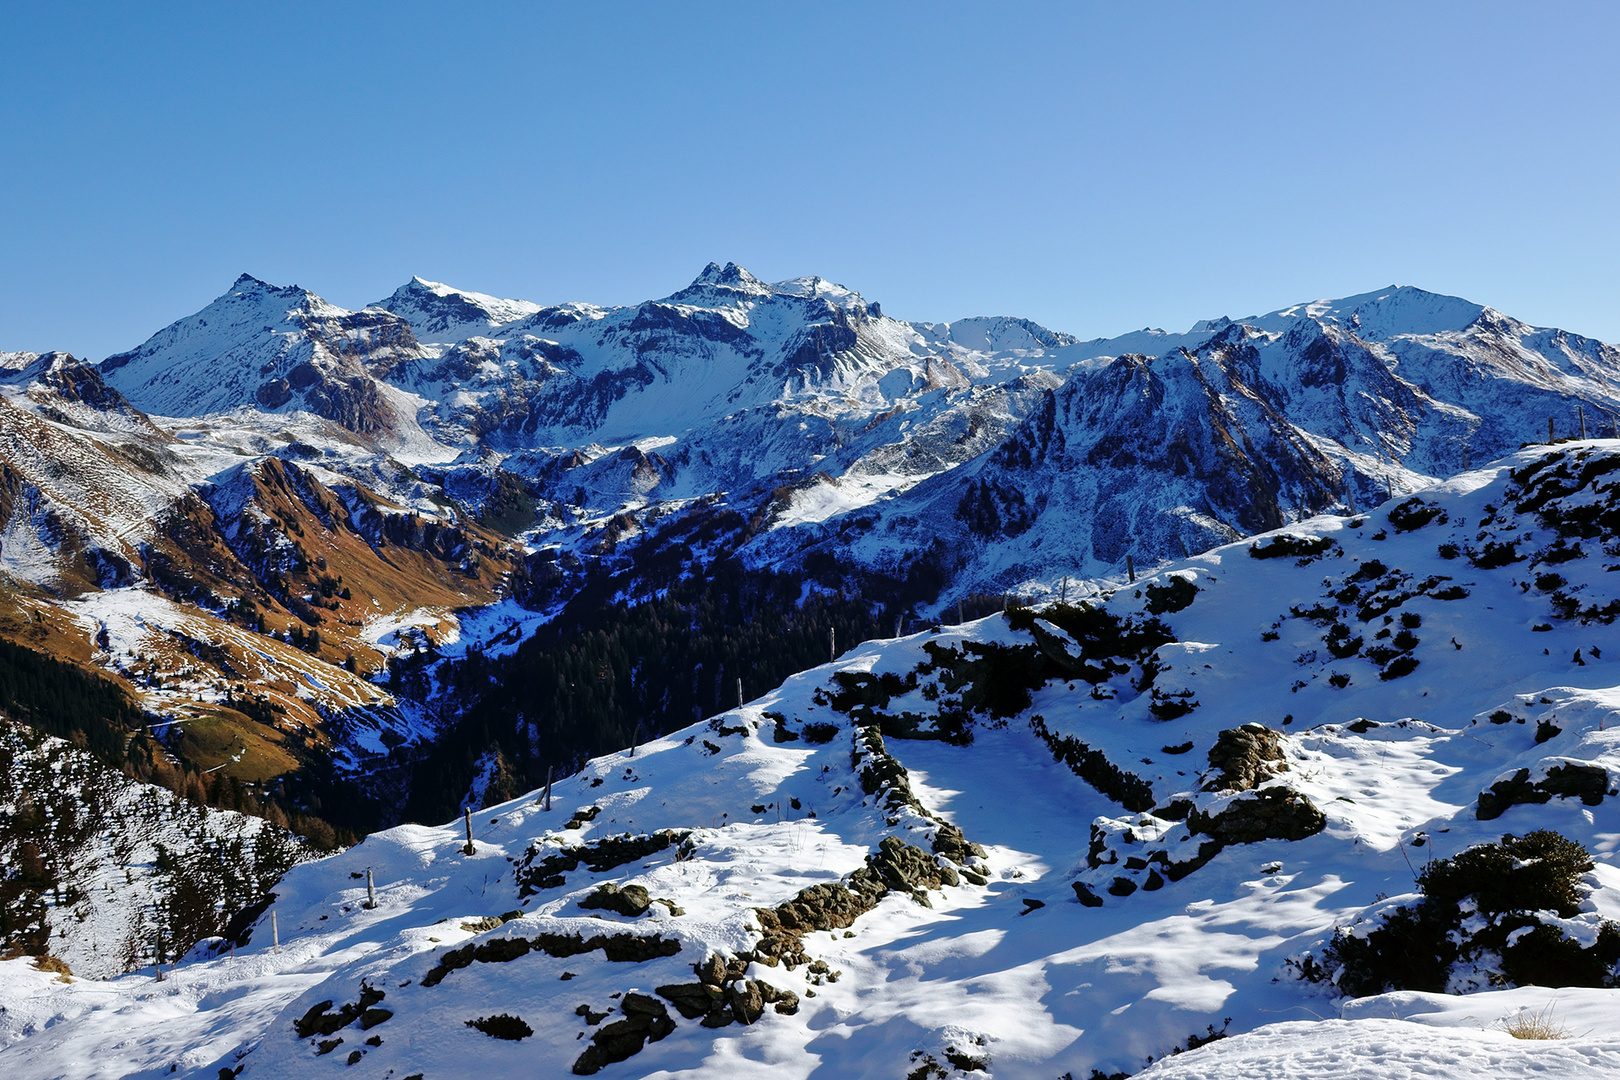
(623, 948)
(1272, 813)
(1571, 779)
(724, 995)
(631, 900)
(1246, 756)
(645, 1020)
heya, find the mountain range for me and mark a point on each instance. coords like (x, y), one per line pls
(1207, 649)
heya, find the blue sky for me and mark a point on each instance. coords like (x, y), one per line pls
(1095, 167)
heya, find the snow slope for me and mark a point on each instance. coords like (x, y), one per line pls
(1106, 930)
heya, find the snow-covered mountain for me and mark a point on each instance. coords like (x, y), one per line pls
(802, 400)
(1062, 839)
(1241, 427)
(260, 346)
(442, 315)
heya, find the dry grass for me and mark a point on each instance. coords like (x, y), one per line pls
(1535, 1025)
(51, 963)
(229, 739)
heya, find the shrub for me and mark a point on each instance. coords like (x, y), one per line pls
(818, 732)
(502, 1026)
(1410, 951)
(1540, 870)
(1496, 554)
(1403, 664)
(1414, 513)
(1535, 1025)
(1416, 947)
(1285, 546)
(1170, 597)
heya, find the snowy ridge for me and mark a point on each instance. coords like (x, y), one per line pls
(750, 388)
(1122, 879)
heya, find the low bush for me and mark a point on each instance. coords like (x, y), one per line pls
(1285, 546)
(502, 1026)
(1480, 911)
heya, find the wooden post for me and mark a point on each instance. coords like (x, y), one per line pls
(1549, 429)
(635, 739)
(157, 946)
(959, 619)
(832, 642)
(275, 933)
(1130, 567)
(739, 694)
(547, 795)
(1580, 411)
(371, 891)
(466, 819)
(1063, 597)
(899, 622)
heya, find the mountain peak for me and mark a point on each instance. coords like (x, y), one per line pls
(730, 276)
(247, 283)
(442, 314)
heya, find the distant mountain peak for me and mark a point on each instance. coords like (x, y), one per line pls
(248, 284)
(730, 276)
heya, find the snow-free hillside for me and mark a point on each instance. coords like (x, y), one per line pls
(1058, 840)
(194, 561)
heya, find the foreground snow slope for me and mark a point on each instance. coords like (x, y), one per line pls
(1109, 928)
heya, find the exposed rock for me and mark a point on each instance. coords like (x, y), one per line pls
(318, 1021)
(645, 1020)
(950, 842)
(1246, 756)
(631, 900)
(581, 816)
(624, 948)
(1083, 893)
(1271, 813)
(534, 874)
(724, 995)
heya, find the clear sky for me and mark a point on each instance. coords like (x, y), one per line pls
(1098, 168)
